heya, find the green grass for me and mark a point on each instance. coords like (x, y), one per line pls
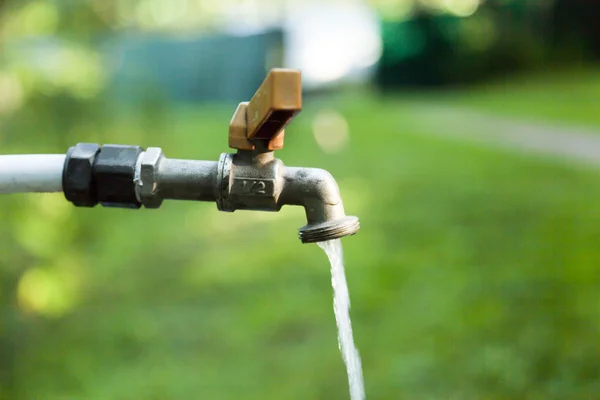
(474, 276)
(571, 97)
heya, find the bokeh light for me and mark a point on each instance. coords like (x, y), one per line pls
(331, 131)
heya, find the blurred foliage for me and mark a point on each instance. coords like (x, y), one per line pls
(474, 275)
(448, 42)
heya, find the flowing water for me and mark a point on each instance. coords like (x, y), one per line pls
(341, 308)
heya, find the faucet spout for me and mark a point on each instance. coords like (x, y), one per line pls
(317, 191)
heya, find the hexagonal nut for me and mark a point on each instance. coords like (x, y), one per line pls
(114, 175)
(78, 176)
(148, 185)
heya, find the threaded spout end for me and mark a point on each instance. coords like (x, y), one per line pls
(329, 230)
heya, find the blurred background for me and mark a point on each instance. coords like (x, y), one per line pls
(458, 131)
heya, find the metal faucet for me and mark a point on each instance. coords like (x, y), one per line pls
(251, 179)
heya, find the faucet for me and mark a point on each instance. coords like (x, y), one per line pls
(250, 179)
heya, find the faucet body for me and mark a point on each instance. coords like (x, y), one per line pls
(249, 180)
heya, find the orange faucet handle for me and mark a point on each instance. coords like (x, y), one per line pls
(276, 102)
(237, 129)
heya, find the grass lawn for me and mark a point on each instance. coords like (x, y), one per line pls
(568, 97)
(474, 276)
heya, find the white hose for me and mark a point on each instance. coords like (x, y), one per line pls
(31, 173)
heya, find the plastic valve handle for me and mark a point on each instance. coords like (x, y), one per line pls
(276, 102)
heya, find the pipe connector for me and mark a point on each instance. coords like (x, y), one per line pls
(159, 178)
(146, 179)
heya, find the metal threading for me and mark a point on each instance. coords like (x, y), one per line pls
(329, 230)
(223, 174)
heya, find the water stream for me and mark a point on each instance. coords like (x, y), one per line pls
(341, 308)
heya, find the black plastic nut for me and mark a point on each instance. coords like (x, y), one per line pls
(78, 177)
(114, 173)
